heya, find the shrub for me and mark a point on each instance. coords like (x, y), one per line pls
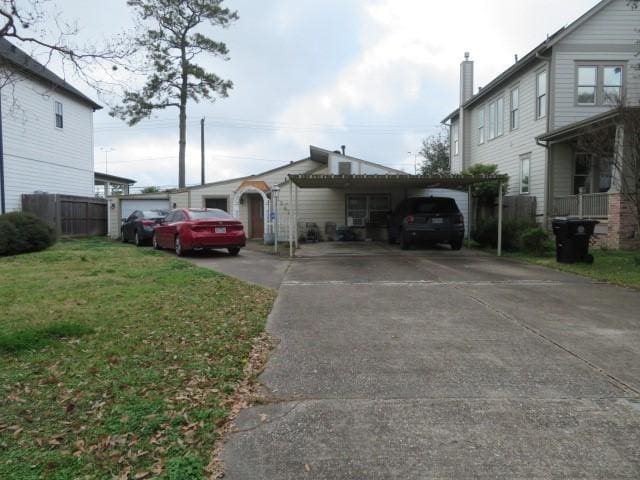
(486, 233)
(536, 241)
(486, 192)
(24, 232)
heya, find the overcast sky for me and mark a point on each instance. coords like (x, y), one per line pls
(374, 75)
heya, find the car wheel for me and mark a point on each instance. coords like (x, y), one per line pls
(178, 247)
(137, 240)
(404, 244)
(233, 251)
(155, 243)
(456, 245)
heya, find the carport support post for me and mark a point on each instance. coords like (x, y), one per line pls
(500, 218)
(295, 227)
(469, 215)
(290, 218)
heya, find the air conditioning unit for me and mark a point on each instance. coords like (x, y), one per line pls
(355, 221)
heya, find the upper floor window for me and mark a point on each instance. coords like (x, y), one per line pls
(344, 168)
(541, 94)
(481, 126)
(496, 118)
(514, 117)
(456, 141)
(58, 115)
(587, 85)
(612, 84)
(599, 84)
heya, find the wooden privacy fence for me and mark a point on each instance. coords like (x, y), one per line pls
(521, 208)
(70, 216)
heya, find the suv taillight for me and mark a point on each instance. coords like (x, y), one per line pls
(460, 219)
(410, 219)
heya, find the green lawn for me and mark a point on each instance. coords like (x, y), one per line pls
(614, 266)
(117, 361)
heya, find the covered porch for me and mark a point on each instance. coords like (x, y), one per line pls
(583, 166)
(368, 199)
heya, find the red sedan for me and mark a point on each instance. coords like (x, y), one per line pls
(187, 229)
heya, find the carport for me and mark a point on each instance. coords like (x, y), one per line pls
(372, 182)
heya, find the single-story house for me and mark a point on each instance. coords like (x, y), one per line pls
(329, 189)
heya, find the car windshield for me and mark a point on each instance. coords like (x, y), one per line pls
(433, 205)
(154, 213)
(213, 213)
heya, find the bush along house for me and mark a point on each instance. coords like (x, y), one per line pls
(561, 122)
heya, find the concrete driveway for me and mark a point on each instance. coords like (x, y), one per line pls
(438, 364)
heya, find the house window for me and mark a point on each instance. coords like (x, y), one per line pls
(59, 117)
(368, 209)
(592, 174)
(525, 173)
(514, 117)
(541, 94)
(344, 168)
(219, 203)
(587, 85)
(481, 126)
(599, 84)
(456, 140)
(612, 84)
(496, 118)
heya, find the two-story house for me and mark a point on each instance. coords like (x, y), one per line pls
(529, 119)
(46, 131)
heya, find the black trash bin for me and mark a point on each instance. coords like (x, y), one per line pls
(572, 239)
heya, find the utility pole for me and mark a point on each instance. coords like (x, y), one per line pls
(202, 150)
(106, 151)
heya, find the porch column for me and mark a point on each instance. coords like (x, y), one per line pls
(500, 218)
(290, 218)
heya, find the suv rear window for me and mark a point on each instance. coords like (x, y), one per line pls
(433, 205)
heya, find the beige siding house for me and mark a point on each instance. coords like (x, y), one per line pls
(530, 119)
(256, 199)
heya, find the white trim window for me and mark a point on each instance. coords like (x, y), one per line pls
(541, 94)
(59, 118)
(525, 174)
(587, 84)
(514, 114)
(480, 126)
(612, 84)
(496, 118)
(456, 140)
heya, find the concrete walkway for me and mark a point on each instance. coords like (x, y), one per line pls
(438, 364)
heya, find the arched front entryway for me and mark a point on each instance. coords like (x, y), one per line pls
(257, 207)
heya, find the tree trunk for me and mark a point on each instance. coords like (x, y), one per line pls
(183, 123)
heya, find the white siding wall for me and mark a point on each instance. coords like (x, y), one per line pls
(358, 167)
(610, 36)
(505, 150)
(39, 156)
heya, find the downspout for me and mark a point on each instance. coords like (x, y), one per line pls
(547, 168)
(2, 196)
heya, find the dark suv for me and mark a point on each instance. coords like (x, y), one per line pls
(427, 220)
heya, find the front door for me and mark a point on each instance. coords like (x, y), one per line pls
(256, 216)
